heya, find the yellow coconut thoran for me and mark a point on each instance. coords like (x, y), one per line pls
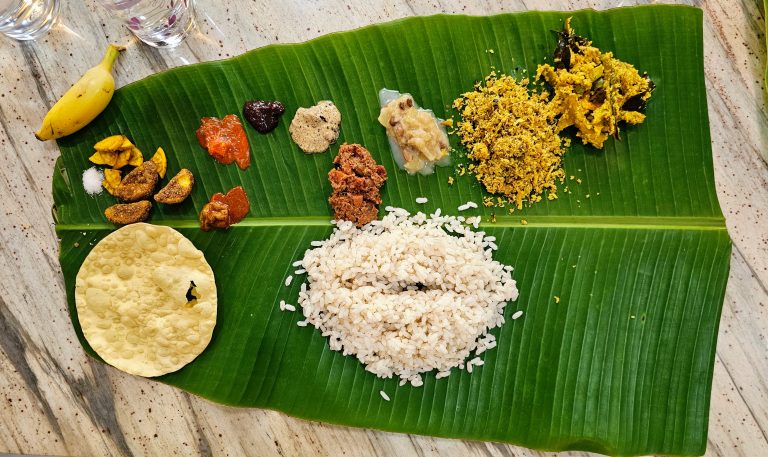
(593, 91)
(510, 137)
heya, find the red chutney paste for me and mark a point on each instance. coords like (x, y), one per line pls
(225, 140)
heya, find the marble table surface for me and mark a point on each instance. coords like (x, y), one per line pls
(56, 400)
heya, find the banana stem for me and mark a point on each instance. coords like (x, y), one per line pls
(109, 58)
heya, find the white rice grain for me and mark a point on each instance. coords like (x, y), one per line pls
(366, 287)
(288, 280)
(517, 315)
(289, 307)
(384, 395)
(422, 200)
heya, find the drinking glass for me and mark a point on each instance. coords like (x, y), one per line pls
(158, 23)
(27, 19)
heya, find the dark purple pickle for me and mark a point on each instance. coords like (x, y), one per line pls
(262, 114)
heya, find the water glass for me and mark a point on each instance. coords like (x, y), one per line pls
(158, 23)
(27, 19)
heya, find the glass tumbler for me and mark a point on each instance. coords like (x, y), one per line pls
(158, 23)
(27, 19)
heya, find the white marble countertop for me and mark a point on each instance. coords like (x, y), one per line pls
(56, 400)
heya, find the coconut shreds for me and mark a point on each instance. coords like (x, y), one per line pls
(405, 296)
(511, 139)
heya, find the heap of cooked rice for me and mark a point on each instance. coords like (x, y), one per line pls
(407, 294)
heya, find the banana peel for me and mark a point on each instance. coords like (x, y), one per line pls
(85, 100)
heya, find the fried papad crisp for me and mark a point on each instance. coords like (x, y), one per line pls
(146, 300)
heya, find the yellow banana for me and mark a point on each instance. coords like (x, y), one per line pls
(85, 100)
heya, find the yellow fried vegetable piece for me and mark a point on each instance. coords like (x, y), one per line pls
(110, 143)
(104, 158)
(122, 158)
(112, 180)
(136, 157)
(177, 189)
(161, 161)
(126, 144)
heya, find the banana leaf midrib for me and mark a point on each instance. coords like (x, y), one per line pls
(596, 222)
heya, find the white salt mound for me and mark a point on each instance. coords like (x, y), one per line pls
(405, 296)
(92, 179)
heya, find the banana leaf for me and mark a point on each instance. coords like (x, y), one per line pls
(637, 253)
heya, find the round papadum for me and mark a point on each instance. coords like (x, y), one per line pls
(133, 300)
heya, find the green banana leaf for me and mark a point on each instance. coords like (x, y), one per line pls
(637, 252)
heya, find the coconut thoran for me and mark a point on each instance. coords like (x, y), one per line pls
(593, 90)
